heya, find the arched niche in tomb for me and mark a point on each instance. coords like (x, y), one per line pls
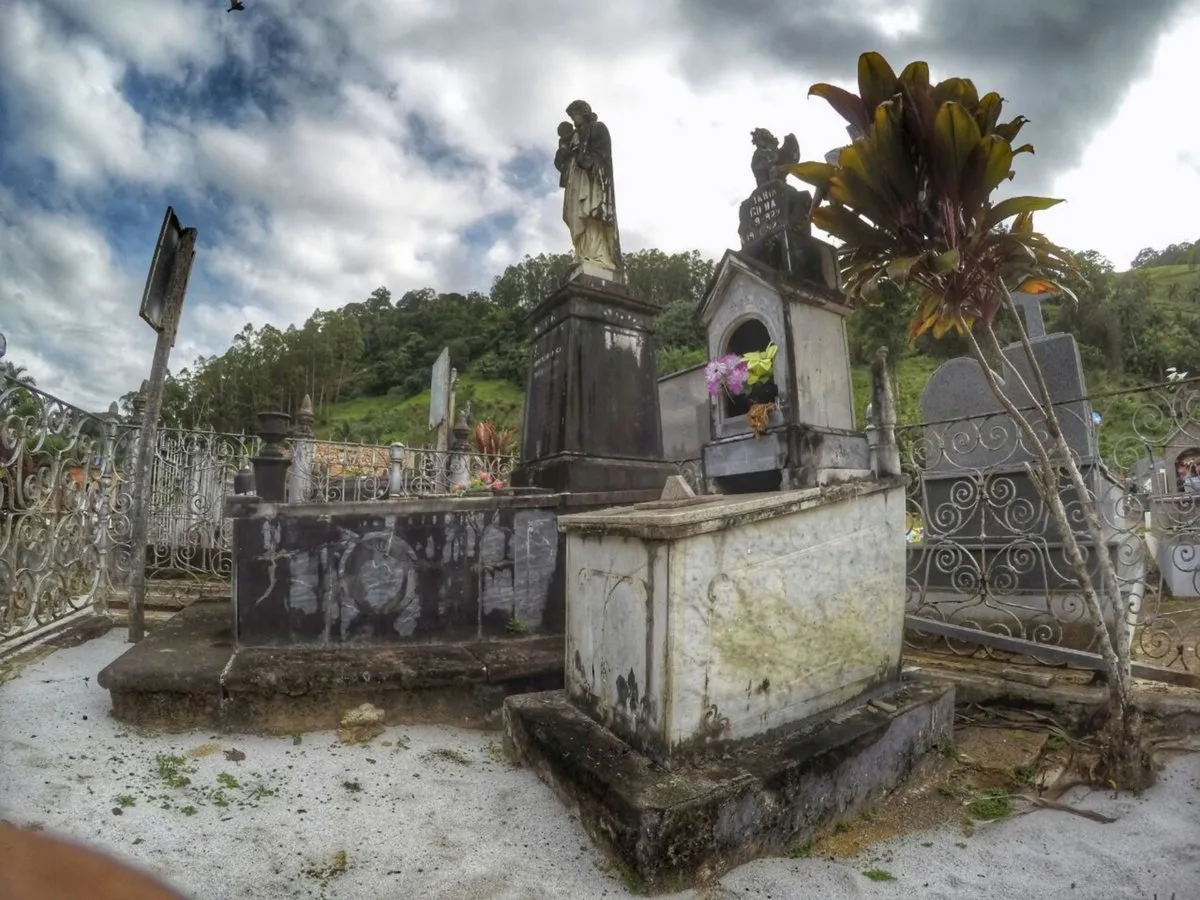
(810, 436)
(1187, 470)
(749, 335)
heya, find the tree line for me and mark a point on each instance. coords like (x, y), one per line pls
(1131, 322)
(384, 345)
(1186, 253)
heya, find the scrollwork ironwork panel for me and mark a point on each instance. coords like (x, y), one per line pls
(984, 549)
(193, 472)
(63, 508)
(342, 472)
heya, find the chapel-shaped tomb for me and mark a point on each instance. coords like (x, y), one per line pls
(796, 430)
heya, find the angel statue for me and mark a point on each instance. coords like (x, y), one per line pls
(770, 161)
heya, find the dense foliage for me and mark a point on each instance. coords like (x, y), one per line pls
(911, 199)
(385, 346)
(378, 352)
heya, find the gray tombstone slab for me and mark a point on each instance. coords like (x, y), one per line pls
(683, 405)
(439, 390)
(969, 428)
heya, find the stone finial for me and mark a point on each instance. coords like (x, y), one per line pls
(677, 488)
(304, 419)
(884, 406)
(139, 401)
(462, 429)
(1031, 307)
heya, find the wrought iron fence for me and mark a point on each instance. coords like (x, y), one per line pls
(66, 498)
(64, 509)
(193, 472)
(986, 556)
(333, 472)
(66, 489)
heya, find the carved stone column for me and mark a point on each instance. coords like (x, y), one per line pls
(460, 473)
(304, 448)
(397, 456)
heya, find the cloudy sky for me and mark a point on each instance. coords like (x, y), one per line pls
(326, 147)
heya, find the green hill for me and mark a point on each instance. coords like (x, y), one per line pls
(382, 420)
(366, 365)
(1161, 295)
(386, 419)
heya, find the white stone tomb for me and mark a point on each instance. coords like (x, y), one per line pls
(722, 618)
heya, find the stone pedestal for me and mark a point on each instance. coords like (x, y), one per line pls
(732, 676)
(591, 406)
(271, 465)
(811, 438)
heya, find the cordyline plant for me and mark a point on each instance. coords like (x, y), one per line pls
(911, 201)
(492, 441)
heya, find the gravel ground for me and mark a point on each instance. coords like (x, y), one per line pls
(436, 812)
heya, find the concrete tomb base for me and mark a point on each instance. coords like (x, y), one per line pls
(186, 675)
(732, 676)
(761, 797)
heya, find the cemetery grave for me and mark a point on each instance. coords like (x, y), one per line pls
(704, 671)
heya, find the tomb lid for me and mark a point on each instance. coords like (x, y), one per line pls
(704, 515)
(734, 263)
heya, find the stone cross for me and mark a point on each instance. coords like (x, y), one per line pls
(1031, 309)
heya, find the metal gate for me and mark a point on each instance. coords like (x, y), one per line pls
(188, 535)
(987, 571)
(64, 511)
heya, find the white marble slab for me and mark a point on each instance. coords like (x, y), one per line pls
(729, 617)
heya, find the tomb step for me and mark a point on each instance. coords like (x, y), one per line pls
(672, 829)
(186, 674)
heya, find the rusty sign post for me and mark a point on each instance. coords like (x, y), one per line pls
(162, 305)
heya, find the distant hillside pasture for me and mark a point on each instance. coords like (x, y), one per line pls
(388, 419)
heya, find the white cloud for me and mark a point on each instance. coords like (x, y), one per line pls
(67, 307)
(159, 36)
(312, 189)
(1139, 181)
(69, 109)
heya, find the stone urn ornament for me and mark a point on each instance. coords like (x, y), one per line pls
(273, 428)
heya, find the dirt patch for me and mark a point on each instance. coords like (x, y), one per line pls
(986, 773)
(999, 749)
(18, 663)
(917, 806)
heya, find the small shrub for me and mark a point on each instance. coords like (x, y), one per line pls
(172, 770)
(991, 804)
(450, 754)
